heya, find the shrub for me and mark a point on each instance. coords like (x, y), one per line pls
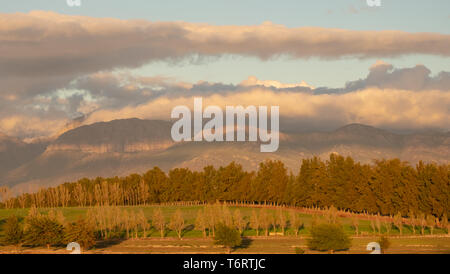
(13, 231)
(227, 236)
(384, 243)
(299, 250)
(43, 231)
(328, 237)
(80, 232)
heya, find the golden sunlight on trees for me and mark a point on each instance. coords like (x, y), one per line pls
(177, 223)
(328, 237)
(227, 236)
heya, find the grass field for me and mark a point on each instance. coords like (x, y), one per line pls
(193, 242)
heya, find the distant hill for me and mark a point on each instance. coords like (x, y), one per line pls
(122, 147)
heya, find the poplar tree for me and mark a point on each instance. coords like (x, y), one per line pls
(159, 221)
(295, 222)
(255, 222)
(265, 220)
(355, 224)
(398, 222)
(201, 222)
(239, 221)
(177, 223)
(430, 222)
(282, 220)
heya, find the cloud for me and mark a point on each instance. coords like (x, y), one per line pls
(30, 127)
(253, 81)
(392, 108)
(55, 67)
(388, 108)
(403, 98)
(383, 75)
(45, 43)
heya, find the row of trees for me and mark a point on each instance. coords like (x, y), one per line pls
(47, 230)
(386, 187)
(226, 228)
(113, 222)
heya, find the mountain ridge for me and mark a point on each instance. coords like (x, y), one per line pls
(121, 147)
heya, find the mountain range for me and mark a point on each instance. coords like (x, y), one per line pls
(122, 147)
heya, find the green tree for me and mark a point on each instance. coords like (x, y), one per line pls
(227, 236)
(80, 232)
(13, 231)
(328, 237)
(271, 181)
(43, 231)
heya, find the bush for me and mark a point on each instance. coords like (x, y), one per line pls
(299, 250)
(328, 237)
(227, 236)
(43, 231)
(80, 232)
(384, 244)
(13, 231)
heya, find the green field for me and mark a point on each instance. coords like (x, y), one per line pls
(193, 241)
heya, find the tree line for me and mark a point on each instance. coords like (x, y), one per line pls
(114, 222)
(386, 187)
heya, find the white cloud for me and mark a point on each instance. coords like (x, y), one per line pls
(253, 81)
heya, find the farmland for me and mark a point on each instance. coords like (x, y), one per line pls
(193, 241)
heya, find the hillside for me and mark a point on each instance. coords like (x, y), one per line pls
(122, 147)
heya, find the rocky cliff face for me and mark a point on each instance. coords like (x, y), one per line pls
(121, 136)
(109, 148)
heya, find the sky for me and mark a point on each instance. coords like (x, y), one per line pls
(104, 58)
(406, 15)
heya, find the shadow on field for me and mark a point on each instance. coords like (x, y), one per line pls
(108, 243)
(187, 229)
(246, 242)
